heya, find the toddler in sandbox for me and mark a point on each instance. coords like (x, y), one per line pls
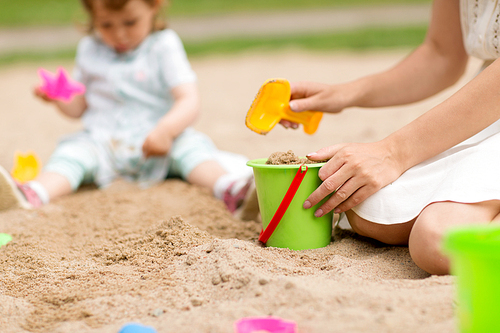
(141, 98)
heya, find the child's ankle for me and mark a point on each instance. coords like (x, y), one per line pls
(30, 196)
(233, 190)
(40, 191)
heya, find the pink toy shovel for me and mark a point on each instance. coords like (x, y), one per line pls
(264, 325)
(59, 86)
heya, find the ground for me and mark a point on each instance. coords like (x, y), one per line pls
(172, 257)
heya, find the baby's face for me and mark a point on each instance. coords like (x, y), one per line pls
(123, 30)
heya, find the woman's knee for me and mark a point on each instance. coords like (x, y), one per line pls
(433, 222)
(425, 246)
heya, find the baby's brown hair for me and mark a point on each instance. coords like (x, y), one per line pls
(160, 21)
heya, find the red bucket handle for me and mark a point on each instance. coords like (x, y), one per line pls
(287, 199)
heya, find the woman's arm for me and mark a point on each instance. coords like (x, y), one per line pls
(183, 113)
(435, 65)
(356, 171)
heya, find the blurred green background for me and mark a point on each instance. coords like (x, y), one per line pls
(17, 14)
(60, 12)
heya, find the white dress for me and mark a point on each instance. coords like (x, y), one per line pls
(466, 173)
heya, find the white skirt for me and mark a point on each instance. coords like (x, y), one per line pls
(466, 173)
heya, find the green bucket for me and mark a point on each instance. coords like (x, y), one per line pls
(474, 253)
(298, 229)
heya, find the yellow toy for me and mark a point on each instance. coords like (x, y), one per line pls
(271, 105)
(26, 166)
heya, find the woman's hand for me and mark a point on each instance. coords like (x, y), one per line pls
(354, 172)
(314, 96)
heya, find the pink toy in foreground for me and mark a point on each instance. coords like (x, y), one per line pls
(59, 86)
(264, 324)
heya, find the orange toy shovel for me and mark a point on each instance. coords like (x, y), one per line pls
(271, 105)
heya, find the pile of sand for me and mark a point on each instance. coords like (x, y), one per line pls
(172, 257)
(289, 157)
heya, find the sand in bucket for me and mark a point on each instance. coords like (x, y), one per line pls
(298, 229)
(474, 253)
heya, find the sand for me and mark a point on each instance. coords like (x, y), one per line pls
(288, 158)
(172, 257)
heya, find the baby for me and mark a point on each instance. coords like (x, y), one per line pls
(141, 99)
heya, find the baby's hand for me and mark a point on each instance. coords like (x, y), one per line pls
(38, 92)
(157, 143)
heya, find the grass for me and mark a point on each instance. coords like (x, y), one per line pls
(358, 40)
(197, 7)
(36, 56)
(60, 12)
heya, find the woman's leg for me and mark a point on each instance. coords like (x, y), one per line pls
(432, 223)
(394, 234)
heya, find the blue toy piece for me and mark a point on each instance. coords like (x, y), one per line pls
(137, 328)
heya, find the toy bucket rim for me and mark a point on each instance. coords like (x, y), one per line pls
(261, 163)
(481, 238)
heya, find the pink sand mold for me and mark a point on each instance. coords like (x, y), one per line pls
(263, 324)
(59, 86)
